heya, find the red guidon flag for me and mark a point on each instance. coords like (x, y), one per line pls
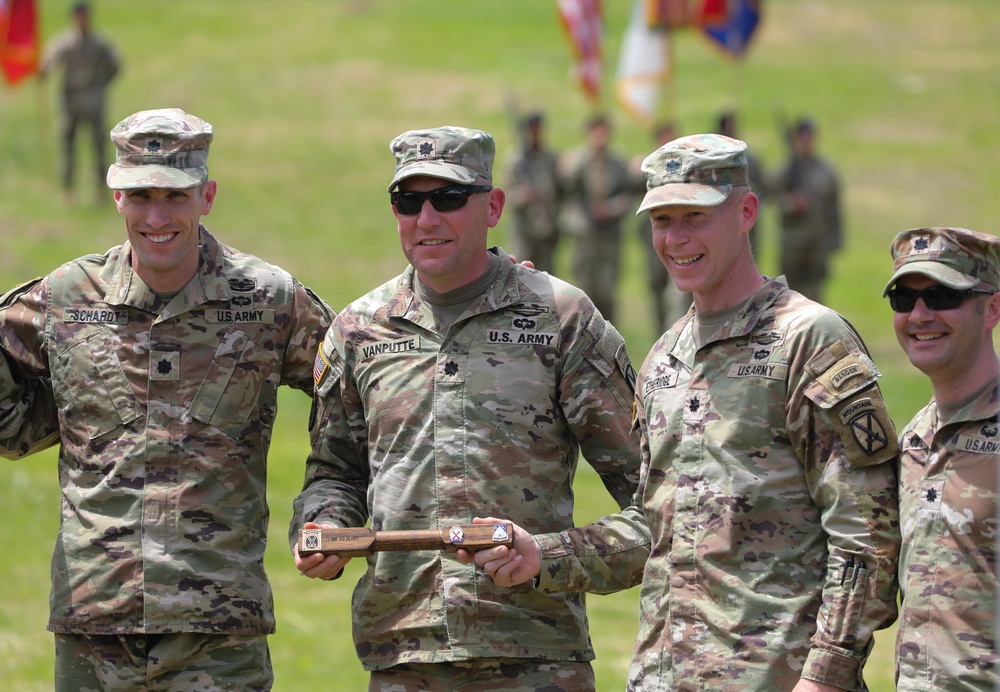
(18, 39)
(582, 20)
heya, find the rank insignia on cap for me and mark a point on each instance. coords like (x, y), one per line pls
(152, 147)
(921, 243)
(426, 147)
(673, 165)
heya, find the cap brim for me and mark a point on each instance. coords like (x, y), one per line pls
(691, 194)
(435, 169)
(942, 273)
(134, 177)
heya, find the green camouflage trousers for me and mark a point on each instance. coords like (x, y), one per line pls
(192, 662)
(484, 674)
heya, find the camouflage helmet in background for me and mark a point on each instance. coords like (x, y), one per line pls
(163, 148)
(698, 170)
(456, 154)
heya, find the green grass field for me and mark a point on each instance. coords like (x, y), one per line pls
(305, 96)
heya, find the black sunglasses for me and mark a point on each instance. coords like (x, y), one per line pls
(449, 198)
(935, 297)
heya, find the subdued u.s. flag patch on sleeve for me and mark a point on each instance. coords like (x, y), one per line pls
(320, 365)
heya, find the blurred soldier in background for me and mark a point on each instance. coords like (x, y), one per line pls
(808, 194)
(598, 194)
(669, 303)
(89, 64)
(534, 194)
(728, 126)
(946, 305)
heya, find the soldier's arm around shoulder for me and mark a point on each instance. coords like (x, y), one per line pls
(335, 487)
(28, 414)
(597, 393)
(310, 319)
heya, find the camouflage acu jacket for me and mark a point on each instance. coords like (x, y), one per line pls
(420, 427)
(948, 507)
(164, 414)
(769, 488)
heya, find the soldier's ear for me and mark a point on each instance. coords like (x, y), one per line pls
(992, 311)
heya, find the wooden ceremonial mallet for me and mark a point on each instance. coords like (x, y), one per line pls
(358, 542)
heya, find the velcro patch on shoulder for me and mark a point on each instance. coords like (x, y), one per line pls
(8, 298)
(602, 354)
(824, 360)
(625, 365)
(839, 374)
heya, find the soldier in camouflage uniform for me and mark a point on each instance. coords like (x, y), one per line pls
(156, 367)
(598, 194)
(89, 63)
(534, 191)
(768, 481)
(465, 383)
(944, 294)
(808, 195)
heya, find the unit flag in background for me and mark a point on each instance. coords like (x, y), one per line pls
(18, 39)
(583, 22)
(643, 62)
(731, 23)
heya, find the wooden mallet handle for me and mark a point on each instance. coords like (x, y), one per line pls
(357, 542)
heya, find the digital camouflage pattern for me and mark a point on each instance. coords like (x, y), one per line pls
(164, 413)
(769, 487)
(948, 508)
(954, 257)
(698, 170)
(458, 154)
(164, 148)
(419, 428)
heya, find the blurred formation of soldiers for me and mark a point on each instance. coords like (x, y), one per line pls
(599, 194)
(534, 192)
(727, 126)
(586, 191)
(669, 302)
(808, 194)
(89, 64)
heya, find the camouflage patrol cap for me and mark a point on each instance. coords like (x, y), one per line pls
(457, 154)
(165, 148)
(699, 170)
(954, 257)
